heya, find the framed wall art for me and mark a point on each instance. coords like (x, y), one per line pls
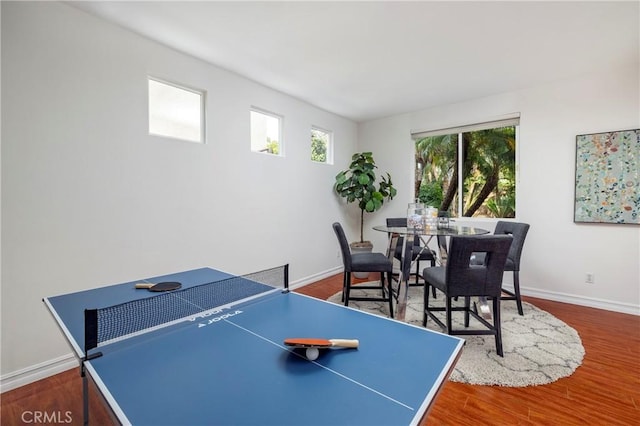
(608, 177)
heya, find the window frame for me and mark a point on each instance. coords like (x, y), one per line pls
(202, 109)
(280, 118)
(510, 120)
(329, 147)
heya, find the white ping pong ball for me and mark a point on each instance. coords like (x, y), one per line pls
(312, 354)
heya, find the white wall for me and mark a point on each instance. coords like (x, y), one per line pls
(558, 252)
(89, 198)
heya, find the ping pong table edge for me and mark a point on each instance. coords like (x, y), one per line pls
(423, 411)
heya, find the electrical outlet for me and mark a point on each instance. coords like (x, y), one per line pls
(589, 278)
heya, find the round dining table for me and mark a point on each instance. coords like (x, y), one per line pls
(425, 234)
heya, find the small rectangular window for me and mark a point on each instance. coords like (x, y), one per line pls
(266, 132)
(175, 111)
(321, 146)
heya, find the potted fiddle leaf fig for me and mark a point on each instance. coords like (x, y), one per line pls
(359, 184)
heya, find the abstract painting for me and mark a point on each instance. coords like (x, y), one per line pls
(608, 177)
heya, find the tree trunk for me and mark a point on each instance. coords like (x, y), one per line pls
(451, 190)
(487, 189)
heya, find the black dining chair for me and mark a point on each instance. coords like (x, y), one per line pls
(364, 262)
(519, 232)
(460, 278)
(418, 252)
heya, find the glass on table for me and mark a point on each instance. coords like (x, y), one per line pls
(430, 218)
(415, 211)
(443, 220)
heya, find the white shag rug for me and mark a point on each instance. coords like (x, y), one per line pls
(538, 347)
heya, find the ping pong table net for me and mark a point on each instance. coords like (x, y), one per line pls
(118, 322)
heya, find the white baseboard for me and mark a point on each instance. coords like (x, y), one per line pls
(49, 368)
(315, 277)
(37, 372)
(607, 305)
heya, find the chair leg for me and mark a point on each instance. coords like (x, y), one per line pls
(449, 322)
(347, 288)
(467, 308)
(496, 324)
(344, 285)
(516, 288)
(417, 270)
(433, 289)
(425, 299)
(390, 292)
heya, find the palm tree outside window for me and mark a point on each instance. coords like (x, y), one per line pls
(469, 171)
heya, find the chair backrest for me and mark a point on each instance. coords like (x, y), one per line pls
(518, 231)
(401, 222)
(344, 246)
(464, 279)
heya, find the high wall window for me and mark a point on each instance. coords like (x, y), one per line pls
(176, 111)
(266, 132)
(321, 145)
(469, 171)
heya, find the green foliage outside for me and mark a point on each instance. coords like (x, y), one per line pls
(431, 194)
(273, 147)
(502, 207)
(488, 158)
(319, 143)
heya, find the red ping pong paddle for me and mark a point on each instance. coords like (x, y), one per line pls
(163, 286)
(321, 343)
(312, 346)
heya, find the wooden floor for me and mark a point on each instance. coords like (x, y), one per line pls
(605, 390)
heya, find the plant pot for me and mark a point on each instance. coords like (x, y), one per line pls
(361, 247)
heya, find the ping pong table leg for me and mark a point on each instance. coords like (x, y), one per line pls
(85, 395)
(85, 385)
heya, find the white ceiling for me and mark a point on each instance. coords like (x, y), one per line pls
(365, 60)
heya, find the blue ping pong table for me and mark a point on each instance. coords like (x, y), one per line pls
(229, 366)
